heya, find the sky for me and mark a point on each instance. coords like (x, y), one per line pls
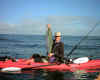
(70, 17)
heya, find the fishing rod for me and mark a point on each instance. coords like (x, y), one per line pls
(76, 46)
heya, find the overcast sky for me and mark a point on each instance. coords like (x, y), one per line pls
(71, 17)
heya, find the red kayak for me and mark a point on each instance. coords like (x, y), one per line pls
(90, 66)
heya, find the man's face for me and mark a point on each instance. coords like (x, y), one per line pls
(57, 38)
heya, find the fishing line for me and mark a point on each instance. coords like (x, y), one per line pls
(75, 47)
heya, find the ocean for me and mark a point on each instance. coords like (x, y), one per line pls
(23, 46)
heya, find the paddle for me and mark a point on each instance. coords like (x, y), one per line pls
(37, 67)
(86, 36)
(49, 39)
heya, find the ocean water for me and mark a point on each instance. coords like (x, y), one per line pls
(23, 46)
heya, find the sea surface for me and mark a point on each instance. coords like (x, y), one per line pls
(23, 46)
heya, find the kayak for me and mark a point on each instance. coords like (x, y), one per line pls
(90, 66)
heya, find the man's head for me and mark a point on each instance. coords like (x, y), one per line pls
(57, 36)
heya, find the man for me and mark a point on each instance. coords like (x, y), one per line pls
(58, 46)
(55, 47)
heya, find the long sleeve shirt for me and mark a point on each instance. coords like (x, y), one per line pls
(58, 49)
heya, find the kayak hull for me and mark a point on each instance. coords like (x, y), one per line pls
(90, 66)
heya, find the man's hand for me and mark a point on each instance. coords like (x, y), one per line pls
(50, 54)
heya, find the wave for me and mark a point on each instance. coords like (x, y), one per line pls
(83, 46)
(93, 38)
(8, 40)
(3, 39)
(89, 47)
(29, 45)
(4, 52)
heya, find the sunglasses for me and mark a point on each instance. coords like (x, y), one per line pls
(57, 36)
